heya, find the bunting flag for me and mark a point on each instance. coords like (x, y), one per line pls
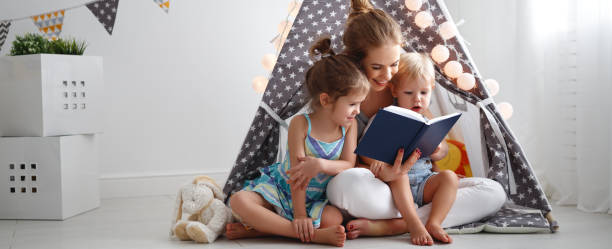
(4, 28)
(50, 24)
(164, 4)
(105, 11)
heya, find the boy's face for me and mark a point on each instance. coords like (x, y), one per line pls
(413, 94)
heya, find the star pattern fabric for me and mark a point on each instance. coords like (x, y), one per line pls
(506, 220)
(4, 29)
(50, 24)
(285, 93)
(105, 11)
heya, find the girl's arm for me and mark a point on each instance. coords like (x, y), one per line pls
(309, 167)
(302, 224)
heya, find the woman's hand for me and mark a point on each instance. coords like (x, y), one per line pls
(387, 174)
(307, 168)
(303, 228)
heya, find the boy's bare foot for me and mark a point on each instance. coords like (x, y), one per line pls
(419, 235)
(367, 227)
(438, 233)
(333, 235)
(238, 231)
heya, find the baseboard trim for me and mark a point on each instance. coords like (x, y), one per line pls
(121, 186)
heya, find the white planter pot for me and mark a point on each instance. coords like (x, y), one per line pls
(48, 177)
(50, 95)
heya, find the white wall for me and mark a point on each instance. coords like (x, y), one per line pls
(178, 85)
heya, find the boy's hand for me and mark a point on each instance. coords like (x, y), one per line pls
(437, 149)
(307, 168)
(303, 228)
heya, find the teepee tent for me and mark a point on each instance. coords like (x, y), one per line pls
(493, 150)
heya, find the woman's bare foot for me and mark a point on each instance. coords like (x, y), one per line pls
(419, 235)
(438, 233)
(333, 235)
(367, 227)
(238, 231)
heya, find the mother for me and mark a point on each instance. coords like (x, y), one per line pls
(374, 39)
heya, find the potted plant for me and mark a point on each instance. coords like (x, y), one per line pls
(48, 88)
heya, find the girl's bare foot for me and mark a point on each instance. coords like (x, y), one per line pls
(438, 233)
(367, 227)
(238, 231)
(333, 235)
(419, 235)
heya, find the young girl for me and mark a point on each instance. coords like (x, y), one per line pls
(321, 145)
(412, 87)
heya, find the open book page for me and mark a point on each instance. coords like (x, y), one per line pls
(434, 120)
(405, 112)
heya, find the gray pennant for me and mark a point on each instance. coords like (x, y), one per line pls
(105, 11)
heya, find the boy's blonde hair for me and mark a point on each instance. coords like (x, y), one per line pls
(415, 66)
(335, 75)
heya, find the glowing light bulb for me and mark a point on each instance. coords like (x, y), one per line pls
(284, 27)
(423, 19)
(440, 53)
(466, 81)
(447, 30)
(453, 69)
(493, 86)
(260, 83)
(413, 5)
(268, 61)
(294, 8)
(505, 109)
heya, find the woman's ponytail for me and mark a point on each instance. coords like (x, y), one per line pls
(321, 48)
(359, 7)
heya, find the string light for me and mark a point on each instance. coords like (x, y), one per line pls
(466, 81)
(268, 61)
(284, 26)
(440, 53)
(453, 69)
(413, 5)
(423, 19)
(294, 8)
(260, 83)
(447, 30)
(492, 86)
(505, 109)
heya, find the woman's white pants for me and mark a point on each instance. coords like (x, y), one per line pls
(362, 195)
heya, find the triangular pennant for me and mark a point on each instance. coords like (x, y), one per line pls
(164, 4)
(4, 29)
(105, 11)
(52, 20)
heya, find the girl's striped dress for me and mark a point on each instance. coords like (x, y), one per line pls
(273, 186)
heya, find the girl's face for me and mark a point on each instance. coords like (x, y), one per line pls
(345, 108)
(380, 64)
(413, 94)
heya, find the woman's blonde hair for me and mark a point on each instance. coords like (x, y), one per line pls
(335, 75)
(415, 66)
(368, 28)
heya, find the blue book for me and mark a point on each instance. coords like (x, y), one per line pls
(393, 127)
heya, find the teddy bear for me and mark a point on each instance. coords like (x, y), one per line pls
(200, 214)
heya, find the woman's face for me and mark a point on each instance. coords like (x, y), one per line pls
(380, 64)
